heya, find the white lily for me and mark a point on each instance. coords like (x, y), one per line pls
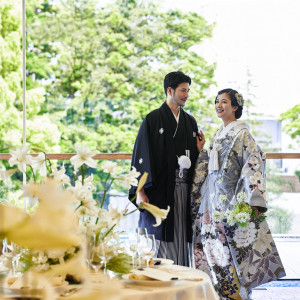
(130, 179)
(30, 190)
(115, 214)
(110, 167)
(83, 194)
(82, 211)
(158, 214)
(134, 173)
(20, 158)
(4, 175)
(53, 201)
(60, 175)
(83, 156)
(38, 163)
(34, 232)
(105, 219)
(88, 211)
(88, 182)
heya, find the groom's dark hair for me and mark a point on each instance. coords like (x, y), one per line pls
(173, 79)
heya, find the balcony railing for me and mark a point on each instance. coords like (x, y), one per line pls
(67, 156)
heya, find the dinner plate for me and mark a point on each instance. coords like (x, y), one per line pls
(150, 282)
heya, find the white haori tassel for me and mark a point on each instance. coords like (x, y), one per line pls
(213, 164)
(184, 163)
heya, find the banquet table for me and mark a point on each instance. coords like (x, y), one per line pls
(179, 290)
(192, 284)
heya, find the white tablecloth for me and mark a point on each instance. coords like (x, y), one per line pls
(181, 290)
(100, 287)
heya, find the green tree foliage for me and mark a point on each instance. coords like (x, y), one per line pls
(291, 118)
(297, 173)
(103, 67)
(252, 117)
(280, 220)
(275, 182)
(11, 104)
(10, 75)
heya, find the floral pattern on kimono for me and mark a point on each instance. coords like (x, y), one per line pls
(199, 177)
(237, 258)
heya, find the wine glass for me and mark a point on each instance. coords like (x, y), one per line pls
(103, 253)
(17, 254)
(141, 233)
(93, 257)
(131, 245)
(107, 248)
(149, 247)
(7, 254)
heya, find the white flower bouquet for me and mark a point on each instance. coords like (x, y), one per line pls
(66, 217)
(241, 213)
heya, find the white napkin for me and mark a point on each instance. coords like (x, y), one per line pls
(184, 274)
(157, 274)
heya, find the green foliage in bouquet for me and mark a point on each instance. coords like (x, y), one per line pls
(121, 263)
(242, 212)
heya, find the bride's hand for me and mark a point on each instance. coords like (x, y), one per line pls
(256, 211)
(200, 144)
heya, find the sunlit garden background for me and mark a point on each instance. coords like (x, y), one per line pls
(95, 69)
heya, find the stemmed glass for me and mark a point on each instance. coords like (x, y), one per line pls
(93, 256)
(131, 244)
(102, 252)
(7, 251)
(149, 247)
(141, 233)
(106, 249)
(18, 252)
(7, 248)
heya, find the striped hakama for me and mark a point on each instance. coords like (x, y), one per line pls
(180, 251)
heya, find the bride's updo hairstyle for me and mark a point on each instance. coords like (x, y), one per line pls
(236, 100)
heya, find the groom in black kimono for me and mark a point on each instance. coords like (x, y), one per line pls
(166, 134)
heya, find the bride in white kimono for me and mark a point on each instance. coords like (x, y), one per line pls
(232, 241)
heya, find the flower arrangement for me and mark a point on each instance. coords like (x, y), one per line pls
(62, 231)
(240, 214)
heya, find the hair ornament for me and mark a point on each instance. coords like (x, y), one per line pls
(239, 98)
